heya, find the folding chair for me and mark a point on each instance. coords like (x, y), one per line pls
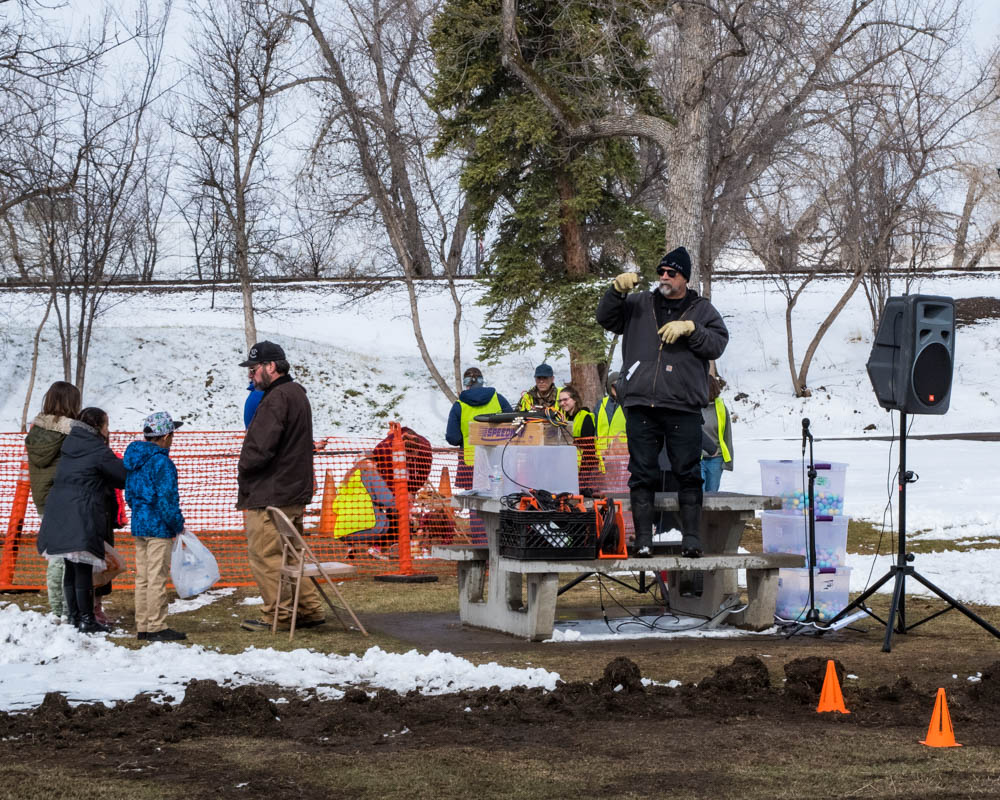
(297, 562)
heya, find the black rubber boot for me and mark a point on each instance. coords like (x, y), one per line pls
(72, 609)
(89, 624)
(642, 519)
(690, 515)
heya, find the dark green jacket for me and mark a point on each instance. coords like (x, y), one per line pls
(44, 443)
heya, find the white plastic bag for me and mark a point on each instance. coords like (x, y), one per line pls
(193, 568)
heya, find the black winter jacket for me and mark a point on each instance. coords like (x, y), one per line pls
(78, 514)
(276, 462)
(663, 375)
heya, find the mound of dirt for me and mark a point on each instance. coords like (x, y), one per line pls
(969, 310)
(745, 677)
(804, 677)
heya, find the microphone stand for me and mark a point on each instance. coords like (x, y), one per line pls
(812, 615)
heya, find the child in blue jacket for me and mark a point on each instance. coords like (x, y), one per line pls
(151, 492)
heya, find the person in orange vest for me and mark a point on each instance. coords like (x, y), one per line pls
(476, 398)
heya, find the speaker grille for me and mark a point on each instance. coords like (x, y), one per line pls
(932, 374)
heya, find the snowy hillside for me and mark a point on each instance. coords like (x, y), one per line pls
(359, 361)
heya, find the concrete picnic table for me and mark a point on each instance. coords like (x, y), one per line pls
(504, 606)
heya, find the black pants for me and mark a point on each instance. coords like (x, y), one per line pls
(78, 588)
(649, 430)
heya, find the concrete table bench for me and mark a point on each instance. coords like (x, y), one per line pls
(501, 603)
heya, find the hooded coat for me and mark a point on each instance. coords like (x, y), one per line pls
(44, 445)
(78, 512)
(476, 397)
(151, 491)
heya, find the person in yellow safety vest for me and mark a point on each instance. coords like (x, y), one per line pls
(583, 427)
(716, 437)
(476, 398)
(610, 419)
(361, 509)
(544, 394)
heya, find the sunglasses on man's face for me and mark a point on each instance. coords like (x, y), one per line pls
(671, 273)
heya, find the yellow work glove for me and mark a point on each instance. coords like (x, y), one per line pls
(673, 331)
(625, 282)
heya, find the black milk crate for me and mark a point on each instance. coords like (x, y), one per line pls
(547, 535)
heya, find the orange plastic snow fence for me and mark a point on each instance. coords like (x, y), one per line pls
(377, 535)
(379, 503)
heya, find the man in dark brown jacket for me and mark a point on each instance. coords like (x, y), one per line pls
(276, 469)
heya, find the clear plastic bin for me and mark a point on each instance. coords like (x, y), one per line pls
(788, 532)
(789, 481)
(831, 590)
(552, 468)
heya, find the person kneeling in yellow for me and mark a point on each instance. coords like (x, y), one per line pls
(361, 509)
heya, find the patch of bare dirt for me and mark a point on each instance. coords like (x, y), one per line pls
(969, 310)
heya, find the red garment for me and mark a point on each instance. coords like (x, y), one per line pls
(418, 460)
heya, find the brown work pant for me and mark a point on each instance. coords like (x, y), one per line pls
(152, 568)
(264, 548)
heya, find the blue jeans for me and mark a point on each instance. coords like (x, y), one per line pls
(711, 473)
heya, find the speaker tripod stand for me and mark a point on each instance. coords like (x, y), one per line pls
(898, 572)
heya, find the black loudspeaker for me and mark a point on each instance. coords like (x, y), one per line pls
(911, 361)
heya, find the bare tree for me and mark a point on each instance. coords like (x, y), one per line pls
(232, 121)
(370, 154)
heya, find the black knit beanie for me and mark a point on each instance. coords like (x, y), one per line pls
(679, 260)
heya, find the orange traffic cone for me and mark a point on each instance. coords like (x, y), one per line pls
(831, 699)
(444, 486)
(940, 732)
(327, 515)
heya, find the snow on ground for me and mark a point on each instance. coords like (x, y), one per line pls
(39, 655)
(179, 352)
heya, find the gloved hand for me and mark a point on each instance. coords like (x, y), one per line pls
(673, 331)
(625, 282)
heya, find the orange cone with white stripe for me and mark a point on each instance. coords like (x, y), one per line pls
(940, 733)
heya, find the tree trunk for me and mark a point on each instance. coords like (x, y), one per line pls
(962, 231)
(687, 154)
(34, 364)
(584, 374)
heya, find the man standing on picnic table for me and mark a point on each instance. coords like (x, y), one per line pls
(276, 469)
(669, 335)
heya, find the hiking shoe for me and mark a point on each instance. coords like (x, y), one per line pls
(259, 625)
(142, 636)
(166, 635)
(377, 554)
(309, 622)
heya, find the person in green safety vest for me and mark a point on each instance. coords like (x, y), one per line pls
(544, 394)
(476, 398)
(362, 508)
(611, 423)
(716, 437)
(582, 421)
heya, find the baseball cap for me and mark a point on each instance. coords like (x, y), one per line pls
(159, 423)
(544, 371)
(262, 352)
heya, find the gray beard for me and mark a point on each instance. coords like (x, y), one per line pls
(664, 290)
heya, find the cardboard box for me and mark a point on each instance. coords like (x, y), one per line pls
(534, 433)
